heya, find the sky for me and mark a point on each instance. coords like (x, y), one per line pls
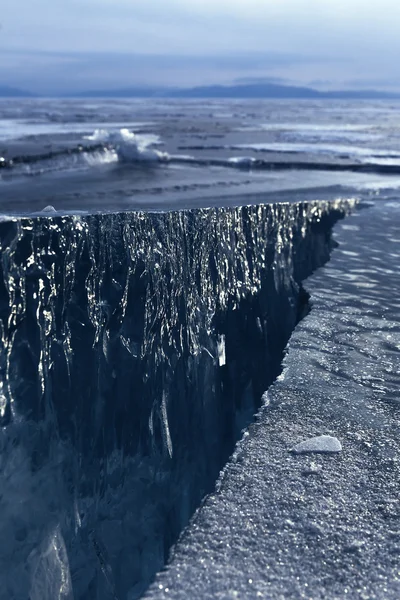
(56, 46)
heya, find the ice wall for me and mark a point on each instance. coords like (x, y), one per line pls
(134, 349)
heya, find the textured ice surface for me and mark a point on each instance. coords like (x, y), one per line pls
(324, 444)
(134, 349)
(281, 526)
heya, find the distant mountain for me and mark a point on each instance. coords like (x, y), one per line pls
(9, 92)
(361, 95)
(270, 90)
(264, 90)
(250, 90)
(134, 92)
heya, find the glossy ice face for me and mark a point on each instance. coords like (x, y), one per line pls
(135, 347)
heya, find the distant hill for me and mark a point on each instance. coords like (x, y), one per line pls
(9, 92)
(361, 95)
(251, 90)
(134, 92)
(260, 90)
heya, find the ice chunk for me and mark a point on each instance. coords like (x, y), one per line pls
(325, 444)
(129, 146)
(49, 209)
(312, 469)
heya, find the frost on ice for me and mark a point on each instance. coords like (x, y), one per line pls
(324, 444)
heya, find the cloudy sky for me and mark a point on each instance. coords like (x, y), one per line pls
(52, 46)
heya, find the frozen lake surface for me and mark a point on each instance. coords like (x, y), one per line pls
(81, 155)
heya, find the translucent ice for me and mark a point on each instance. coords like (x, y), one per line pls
(134, 349)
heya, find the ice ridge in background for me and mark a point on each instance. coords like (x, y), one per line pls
(130, 146)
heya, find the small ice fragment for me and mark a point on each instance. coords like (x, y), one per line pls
(325, 444)
(49, 209)
(312, 469)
